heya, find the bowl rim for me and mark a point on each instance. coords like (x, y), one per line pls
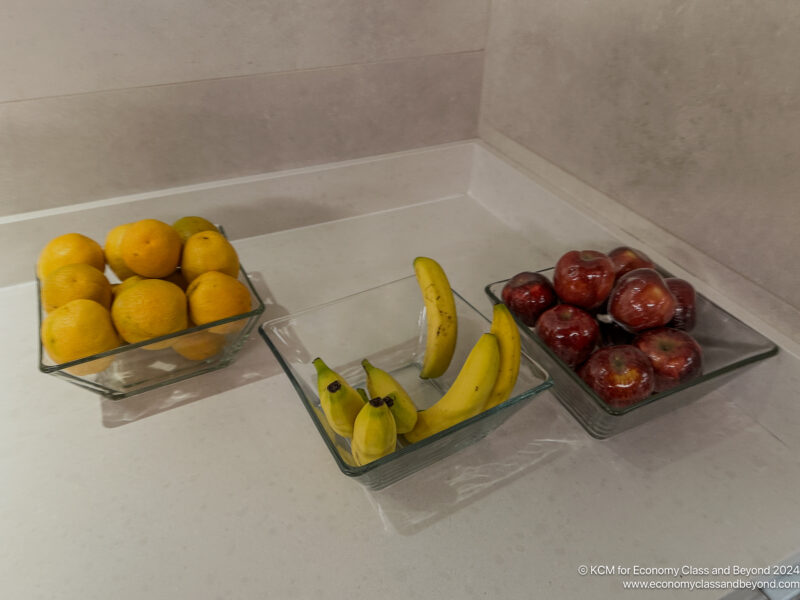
(356, 471)
(770, 350)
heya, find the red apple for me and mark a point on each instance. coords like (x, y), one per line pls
(528, 295)
(686, 309)
(676, 355)
(627, 259)
(620, 375)
(584, 278)
(641, 300)
(571, 333)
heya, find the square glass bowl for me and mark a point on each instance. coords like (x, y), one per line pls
(386, 324)
(135, 368)
(728, 346)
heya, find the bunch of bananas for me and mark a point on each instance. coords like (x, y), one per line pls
(374, 418)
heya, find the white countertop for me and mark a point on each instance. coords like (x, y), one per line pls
(220, 487)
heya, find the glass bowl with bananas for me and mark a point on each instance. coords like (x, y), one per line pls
(401, 375)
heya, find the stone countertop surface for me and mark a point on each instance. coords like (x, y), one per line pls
(220, 486)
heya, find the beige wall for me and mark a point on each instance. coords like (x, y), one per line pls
(105, 98)
(687, 112)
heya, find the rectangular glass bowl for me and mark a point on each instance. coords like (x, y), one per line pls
(135, 368)
(728, 347)
(386, 324)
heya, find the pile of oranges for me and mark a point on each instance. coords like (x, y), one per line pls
(171, 277)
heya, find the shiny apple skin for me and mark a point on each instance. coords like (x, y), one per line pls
(528, 295)
(641, 300)
(584, 278)
(675, 355)
(686, 310)
(570, 332)
(620, 375)
(627, 259)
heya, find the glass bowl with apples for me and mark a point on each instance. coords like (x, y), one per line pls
(623, 340)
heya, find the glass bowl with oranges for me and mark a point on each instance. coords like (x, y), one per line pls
(156, 305)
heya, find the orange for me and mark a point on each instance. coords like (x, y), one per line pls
(208, 251)
(148, 309)
(121, 287)
(78, 329)
(151, 248)
(214, 296)
(188, 226)
(74, 281)
(68, 249)
(113, 252)
(199, 345)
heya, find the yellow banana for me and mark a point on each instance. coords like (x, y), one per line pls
(468, 394)
(374, 432)
(340, 403)
(504, 327)
(381, 384)
(440, 316)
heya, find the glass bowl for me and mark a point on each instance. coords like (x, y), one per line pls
(135, 368)
(728, 346)
(386, 325)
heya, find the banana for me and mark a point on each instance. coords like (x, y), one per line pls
(340, 403)
(374, 432)
(504, 327)
(468, 394)
(381, 384)
(440, 316)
